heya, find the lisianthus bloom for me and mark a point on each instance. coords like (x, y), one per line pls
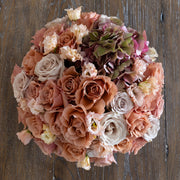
(74, 14)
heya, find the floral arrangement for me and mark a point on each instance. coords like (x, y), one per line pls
(87, 88)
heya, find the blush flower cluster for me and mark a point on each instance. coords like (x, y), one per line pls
(89, 87)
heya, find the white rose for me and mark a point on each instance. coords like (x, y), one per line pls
(74, 14)
(152, 132)
(19, 85)
(121, 103)
(114, 128)
(49, 67)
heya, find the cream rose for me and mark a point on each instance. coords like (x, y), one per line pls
(114, 128)
(152, 132)
(121, 103)
(19, 85)
(74, 14)
(50, 67)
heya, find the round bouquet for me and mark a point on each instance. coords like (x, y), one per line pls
(87, 88)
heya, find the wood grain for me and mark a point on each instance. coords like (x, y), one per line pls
(159, 160)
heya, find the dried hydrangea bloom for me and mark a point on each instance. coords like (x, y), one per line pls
(47, 135)
(50, 67)
(152, 132)
(79, 31)
(74, 14)
(69, 53)
(121, 103)
(114, 128)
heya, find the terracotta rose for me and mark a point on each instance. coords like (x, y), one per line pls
(96, 92)
(69, 151)
(67, 38)
(69, 83)
(138, 123)
(35, 125)
(50, 96)
(30, 60)
(74, 127)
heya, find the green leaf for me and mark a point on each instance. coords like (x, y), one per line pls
(94, 36)
(116, 21)
(120, 68)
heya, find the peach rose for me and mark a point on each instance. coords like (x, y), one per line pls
(124, 146)
(95, 92)
(67, 38)
(74, 127)
(88, 19)
(35, 125)
(69, 151)
(50, 96)
(155, 70)
(47, 149)
(53, 120)
(154, 104)
(33, 90)
(69, 83)
(138, 123)
(30, 60)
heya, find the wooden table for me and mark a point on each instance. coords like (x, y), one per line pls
(159, 160)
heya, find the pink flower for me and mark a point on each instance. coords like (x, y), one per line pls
(15, 72)
(24, 136)
(138, 123)
(105, 161)
(137, 145)
(69, 151)
(155, 70)
(35, 125)
(47, 149)
(53, 120)
(50, 96)
(88, 19)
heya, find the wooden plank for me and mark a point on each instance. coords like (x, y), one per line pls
(17, 24)
(172, 83)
